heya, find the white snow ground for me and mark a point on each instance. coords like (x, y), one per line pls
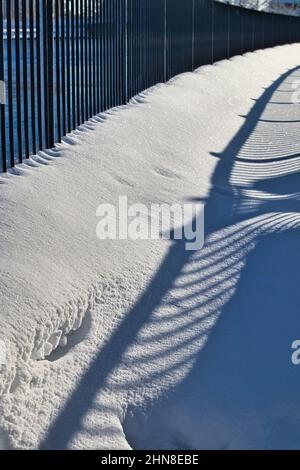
(173, 349)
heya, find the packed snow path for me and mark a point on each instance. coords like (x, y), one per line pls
(172, 349)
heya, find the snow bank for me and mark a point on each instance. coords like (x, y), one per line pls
(106, 336)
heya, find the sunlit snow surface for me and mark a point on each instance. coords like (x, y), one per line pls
(122, 344)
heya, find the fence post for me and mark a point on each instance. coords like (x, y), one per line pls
(48, 72)
(2, 105)
(212, 32)
(18, 79)
(10, 83)
(242, 30)
(126, 32)
(165, 43)
(228, 30)
(193, 34)
(253, 30)
(25, 79)
(32, 74)
(45, 70)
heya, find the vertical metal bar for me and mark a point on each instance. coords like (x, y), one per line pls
(68, 67)
(213, 32)
(97, 57)
(135, 19)
(105, 55)
(39, 74)
(118, 12)
(82, 81)
(134, 48)
(152, 39)
(140, 75)
(94, 57)
(45, 74)
(18, 79)
(149, 40)
(93, 31)
(129, 46)
(263, 18)
(113, 53)
(63, 67)
(116, 54)
(123, 45)
(137, 72)
(10, 84)
(126, 29)
(25, 79)
(73, 64)
(58, 67)
(136, 51)
(50, 67)
(228, 30)
(158, 53)
(2, 105)
(143, 50)
(116, 40)
(148, 48)
(193, 34)
(110, 55)
(165, 43)
(90, 58)
(117, 51)
(90, 48)
(242, 31)
(86, 59)
(78, 63)
(253, 31)
(32, 75)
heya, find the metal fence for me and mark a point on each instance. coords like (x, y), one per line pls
(63, 61)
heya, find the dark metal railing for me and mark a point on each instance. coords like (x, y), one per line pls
(63, 61)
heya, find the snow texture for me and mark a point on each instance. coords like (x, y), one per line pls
(123, 344)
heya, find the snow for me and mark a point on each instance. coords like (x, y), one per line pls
(279, 7)
(121, 344)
